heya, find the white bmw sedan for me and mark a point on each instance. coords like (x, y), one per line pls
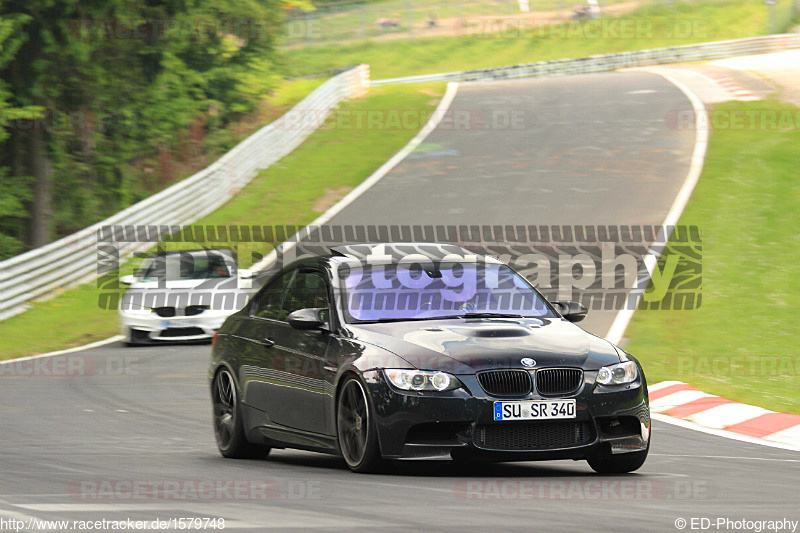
(182, 296)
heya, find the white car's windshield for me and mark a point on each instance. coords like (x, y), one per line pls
(186, 266)
(429, 291)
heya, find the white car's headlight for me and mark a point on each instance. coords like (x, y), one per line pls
(421, 380)
(618, 374)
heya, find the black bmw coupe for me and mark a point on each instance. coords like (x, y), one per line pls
(408, 351)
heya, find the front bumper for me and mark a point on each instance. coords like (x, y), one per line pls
(144, 328)
(460, 423)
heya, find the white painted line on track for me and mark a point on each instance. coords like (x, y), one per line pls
(623, 318)
(69, 350)
(99, 507)
(427, 129)
(721, 432)
(726, 457)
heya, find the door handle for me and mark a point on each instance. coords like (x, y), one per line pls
(266, 341)
(330, 369)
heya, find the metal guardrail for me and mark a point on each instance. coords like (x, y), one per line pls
(72, 260)
(609, 62)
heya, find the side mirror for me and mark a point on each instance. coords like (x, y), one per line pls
(245, 273)
(572, 311)
(127, 280)
(310, 318)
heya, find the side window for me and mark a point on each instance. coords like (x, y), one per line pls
(267, 303)
(308, 289)
(154, 268)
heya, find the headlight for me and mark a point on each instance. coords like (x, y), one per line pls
(427, 380)
(618, 374)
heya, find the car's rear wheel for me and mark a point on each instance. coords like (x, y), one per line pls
(607, 463)
(228, 425)
(355, 424)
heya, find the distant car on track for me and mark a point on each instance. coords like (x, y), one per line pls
(410, 351)
(182, 295)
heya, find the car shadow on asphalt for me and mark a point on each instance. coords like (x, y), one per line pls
(439, 469)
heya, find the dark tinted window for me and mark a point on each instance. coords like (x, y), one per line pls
(188, 265)
(267, 303)
(443, 290)
(203, 267)
(308, 289)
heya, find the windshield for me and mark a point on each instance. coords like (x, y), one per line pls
(186, 266)
(427, 291)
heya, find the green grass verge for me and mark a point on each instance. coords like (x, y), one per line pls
(296, 190)
(412, 18)
(742, 343)
(652, 26)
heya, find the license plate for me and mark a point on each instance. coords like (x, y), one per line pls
(534, 410)
(185, 323)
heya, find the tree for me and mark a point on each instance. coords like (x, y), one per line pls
(106, 84)
(14, 192)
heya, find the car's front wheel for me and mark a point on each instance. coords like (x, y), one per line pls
(355, 424)
(228, 425)
(607, 463)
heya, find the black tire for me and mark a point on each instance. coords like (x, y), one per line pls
(130, 341)
(228, 426)
(606, 463)
(356, 431)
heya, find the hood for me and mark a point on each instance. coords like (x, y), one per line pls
(186, 284)
(467, 346)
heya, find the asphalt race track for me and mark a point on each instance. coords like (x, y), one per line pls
(122, 433)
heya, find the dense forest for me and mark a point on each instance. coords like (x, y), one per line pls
(100, 98)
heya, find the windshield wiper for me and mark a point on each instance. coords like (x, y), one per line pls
(490, 315)
(446, 317)
(381, 320)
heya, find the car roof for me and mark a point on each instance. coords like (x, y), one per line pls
(196, 251)
(397, 252)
